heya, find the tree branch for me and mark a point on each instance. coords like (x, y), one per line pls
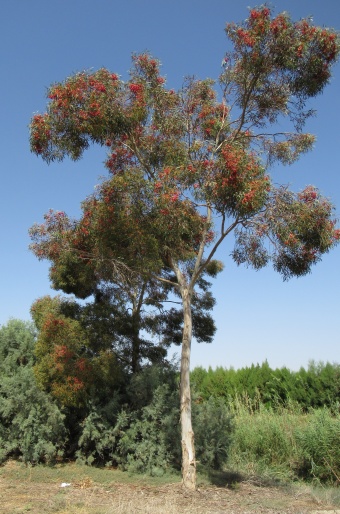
(213, 251)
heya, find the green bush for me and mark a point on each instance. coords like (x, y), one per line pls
(31, 425)
(151, 443)
(314, 387)
(137, 430)
(99, 434)
(286, 443)
(147, 440)
(213, 427)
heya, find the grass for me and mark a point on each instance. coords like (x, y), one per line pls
(75, 473)
(108, 491)
(285, 443)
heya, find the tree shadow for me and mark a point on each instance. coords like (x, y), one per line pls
(227, 479)
(231, 479)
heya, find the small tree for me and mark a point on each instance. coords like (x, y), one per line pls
(188, 169)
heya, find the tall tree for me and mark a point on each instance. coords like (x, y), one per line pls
(188, 169)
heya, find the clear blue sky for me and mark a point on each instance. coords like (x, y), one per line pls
(258, 315)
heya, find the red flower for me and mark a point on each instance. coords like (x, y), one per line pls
(135, 88)
(100, 87)
(247, 39)
(254, 14)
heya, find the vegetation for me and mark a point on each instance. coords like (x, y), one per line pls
(187, 170)
(137, 429)
(287, 444)
(314, 387)
(31, 424)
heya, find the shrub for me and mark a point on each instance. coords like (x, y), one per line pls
(137, 429)
(100, 433)
(213, 428)
(150, 444)
(147, 439)
(31, 425)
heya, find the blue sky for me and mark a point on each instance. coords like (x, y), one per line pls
(257, 314)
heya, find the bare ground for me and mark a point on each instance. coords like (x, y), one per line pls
(86, 496)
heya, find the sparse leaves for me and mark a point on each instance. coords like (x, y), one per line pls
(299, 228)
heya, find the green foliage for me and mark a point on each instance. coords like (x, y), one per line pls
(213, 427)
(315, 387)
(319, 447)
(136, 426)
(31, 425)
(138, 429)
(285, 443)
(74, 361)
(263, 441)
(149, 444)
(100, 433)
(62, 367)
(171, 152)
(143, 435)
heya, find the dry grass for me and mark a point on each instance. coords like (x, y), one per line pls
(92, 491)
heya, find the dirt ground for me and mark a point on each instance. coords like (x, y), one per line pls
(87, 497)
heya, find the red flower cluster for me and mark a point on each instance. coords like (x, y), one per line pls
(136, 88)
(146, 66)
(262, 13)
(174, 197)
(279, 24)
(75, 383)
(53, 323)
(81, 364)
(119, 159)
(246, 37)
(94, 109)
(191, 168)
(40, 132)
(309, 194)
(97, 86)
(164, 212)
(291, 241)
(62, 352)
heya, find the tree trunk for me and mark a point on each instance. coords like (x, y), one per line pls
(188, 447)
(135, 340)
